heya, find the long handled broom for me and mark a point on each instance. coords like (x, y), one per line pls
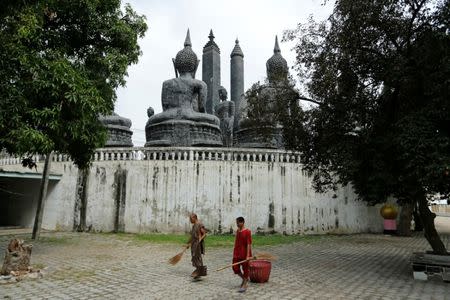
(174, 260)
(265, 256)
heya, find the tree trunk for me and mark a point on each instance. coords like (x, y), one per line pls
(83, 203)
(418, 226)
(404, 224)
(430, 232)
(42, 196)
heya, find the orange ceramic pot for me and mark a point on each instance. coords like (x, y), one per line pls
(389, 211)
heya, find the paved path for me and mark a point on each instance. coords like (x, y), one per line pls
(105, 266)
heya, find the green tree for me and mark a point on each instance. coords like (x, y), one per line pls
(60, 64)
(379, 74)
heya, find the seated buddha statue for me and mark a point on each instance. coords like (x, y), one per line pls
(270, 136)
(184, 97)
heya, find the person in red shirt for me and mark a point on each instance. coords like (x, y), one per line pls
(242, 251)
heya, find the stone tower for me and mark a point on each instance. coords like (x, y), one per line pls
(211, 72)
(237, 80)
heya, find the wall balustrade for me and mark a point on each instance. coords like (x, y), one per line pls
(172, 153)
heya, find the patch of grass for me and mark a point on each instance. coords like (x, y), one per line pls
(70, 273)
(38, 266)
(54, 240)
(159, 238)
(226, 240)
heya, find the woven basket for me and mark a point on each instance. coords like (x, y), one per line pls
(260, 270)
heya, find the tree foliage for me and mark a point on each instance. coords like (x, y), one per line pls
(378, 73)
(60, 64)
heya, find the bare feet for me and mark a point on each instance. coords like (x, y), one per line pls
(195, 273)
(243, 286)
(242, 283)
(242, 277)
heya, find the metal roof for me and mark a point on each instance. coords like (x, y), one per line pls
(28, 175)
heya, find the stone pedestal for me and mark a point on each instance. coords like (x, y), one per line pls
(119, 133)
(267, 137)
(390, 226)
(183, 133)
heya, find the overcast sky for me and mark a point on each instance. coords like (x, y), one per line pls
(254, 22)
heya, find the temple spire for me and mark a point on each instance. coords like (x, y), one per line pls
(237, 49)
(276, 66)
(211, 35)
(276, 49)
(187, 42)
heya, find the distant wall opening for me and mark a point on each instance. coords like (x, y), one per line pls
(18, 201)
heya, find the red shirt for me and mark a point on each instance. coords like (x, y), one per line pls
(243, 239)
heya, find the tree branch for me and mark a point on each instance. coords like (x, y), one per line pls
(310, 100)
(371, 50)
(416, 11)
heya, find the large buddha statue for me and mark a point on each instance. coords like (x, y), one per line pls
(249, 136)
(183, 121)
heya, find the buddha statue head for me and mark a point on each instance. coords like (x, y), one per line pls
(276, 66)
(186, 62)
(223, 94)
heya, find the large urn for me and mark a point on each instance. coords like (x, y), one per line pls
(389, 212)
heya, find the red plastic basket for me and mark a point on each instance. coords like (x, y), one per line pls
(260, 270)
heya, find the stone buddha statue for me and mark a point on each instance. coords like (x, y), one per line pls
(183, 121)
(184, 97)
(277, 75)
(225, 111)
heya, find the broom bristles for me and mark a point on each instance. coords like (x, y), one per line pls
(174, 260)
(265, 256)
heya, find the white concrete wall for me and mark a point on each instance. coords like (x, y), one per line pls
(440, 208)
(159, 194)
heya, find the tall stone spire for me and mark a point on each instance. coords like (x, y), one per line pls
(237, 80)
(211, 72)
(276, 49)
(186, 59)
(187, 41)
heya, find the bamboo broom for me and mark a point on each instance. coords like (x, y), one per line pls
(174, 260)
(265, 256)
